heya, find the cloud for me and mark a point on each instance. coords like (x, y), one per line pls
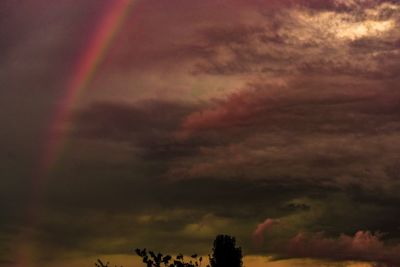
(253, 104)
(258, 234)
(330, 136)
(321, 136)
(207, 227)
(297, 236)
(323, 31)
(363, 246)
(149, 126)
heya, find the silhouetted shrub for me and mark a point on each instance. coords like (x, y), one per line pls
(152, 259)
(224, 254)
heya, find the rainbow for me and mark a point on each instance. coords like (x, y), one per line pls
(92, 55)
(85, 70)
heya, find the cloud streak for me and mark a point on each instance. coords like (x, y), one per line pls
(363, 246)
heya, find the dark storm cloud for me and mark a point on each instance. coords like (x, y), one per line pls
(307, 135)
(163, 217)
(278, 149)
(332, 132)
(150, 126)
(189, 215)
(232, 174)
(162, 131)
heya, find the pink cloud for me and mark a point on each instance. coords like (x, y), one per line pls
(258, 234)
(363, 246)
(238, 109)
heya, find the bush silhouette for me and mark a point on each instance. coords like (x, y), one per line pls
(152, 259)
(225, 253)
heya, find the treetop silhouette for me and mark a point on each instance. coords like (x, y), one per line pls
(225, 253)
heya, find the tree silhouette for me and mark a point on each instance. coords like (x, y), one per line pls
(152, 259)
(225, 253)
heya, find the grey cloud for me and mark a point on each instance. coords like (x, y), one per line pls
(149, 125)
(300, 41)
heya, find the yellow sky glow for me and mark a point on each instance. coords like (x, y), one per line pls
(248, 261)
(362, 29)
(342, 26)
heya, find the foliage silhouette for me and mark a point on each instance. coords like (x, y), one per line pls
(225, 252)
(152, 259)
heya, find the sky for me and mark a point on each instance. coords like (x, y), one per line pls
(160, 124)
